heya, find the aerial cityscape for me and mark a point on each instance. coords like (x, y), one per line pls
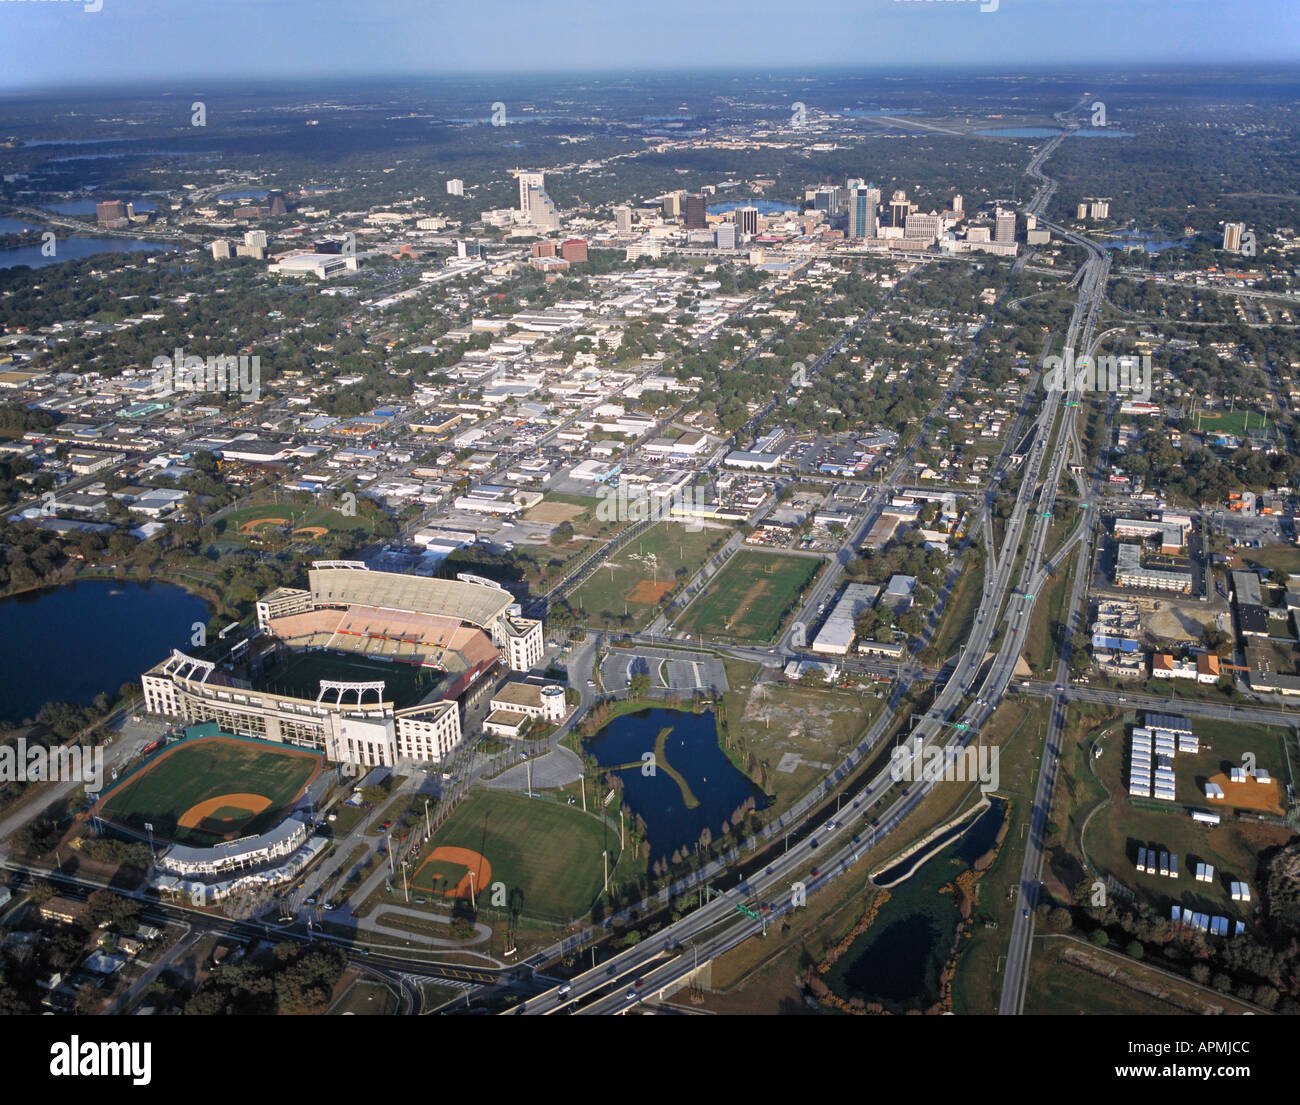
(753, 538)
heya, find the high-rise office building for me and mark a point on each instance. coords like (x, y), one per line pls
(695, 214)
(672, 205)
(746, 220)
(724, 237)
(1004, 226)
(456, 187)
(574, 250)
(1099, 209)
(1082, 212)
(925, 228)
(864, 205)
(255, 238)
(899, 208)
(221, 250)
(957, 203)
(829, 200)
(623, 219)
(1232, 233)
(527, 182)
(110, 213)
(276, 202)
(1031, 222)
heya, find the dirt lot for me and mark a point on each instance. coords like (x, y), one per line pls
(554, 513)
(1177, 621)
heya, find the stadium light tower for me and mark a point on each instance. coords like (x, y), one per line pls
(149, 827)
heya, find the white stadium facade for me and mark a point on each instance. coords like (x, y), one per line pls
(421, 643)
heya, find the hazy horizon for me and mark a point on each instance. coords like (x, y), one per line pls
(306, 40)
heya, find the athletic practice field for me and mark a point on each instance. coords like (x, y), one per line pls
(211, 789)
(546, 855)
(643, 572)
(302, 522)
(750, 598)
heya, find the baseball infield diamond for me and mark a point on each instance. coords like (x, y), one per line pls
(546, 854)
(207, 790)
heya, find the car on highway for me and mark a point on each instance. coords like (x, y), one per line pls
(831, 826)
(815, 872)
(564, 989)
(1024, 913)
(812, 843)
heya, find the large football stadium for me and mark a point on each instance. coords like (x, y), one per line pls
(365, 667)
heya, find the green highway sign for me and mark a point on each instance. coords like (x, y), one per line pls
(960, 725)
(748, 912)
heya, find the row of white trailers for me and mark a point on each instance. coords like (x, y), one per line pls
(1153, 861)
(1203, 922)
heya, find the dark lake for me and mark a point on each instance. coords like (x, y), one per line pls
(70, 643)
(690, 749)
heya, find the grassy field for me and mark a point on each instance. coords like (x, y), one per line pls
(404, 684)
(959, 612)
(1286, 557)
(1046, 620)
(545, 854)
(750, 597)
(241, 524)
(1064, 979)
(364, 998)
(624, 591)
(205, 770)
(1228, 422)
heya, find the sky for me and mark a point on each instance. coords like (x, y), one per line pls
(51, 43)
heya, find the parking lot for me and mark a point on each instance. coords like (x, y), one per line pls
(682, 672)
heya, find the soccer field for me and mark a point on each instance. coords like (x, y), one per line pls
(203, 791)
(750, 597)
(545, 855)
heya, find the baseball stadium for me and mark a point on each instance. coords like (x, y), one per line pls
(367, 668)
(218, 808)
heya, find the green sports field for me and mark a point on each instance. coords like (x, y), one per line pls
(750, 597)
(624, 591)
(547, 855)
(241, 524)
(230, 776)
